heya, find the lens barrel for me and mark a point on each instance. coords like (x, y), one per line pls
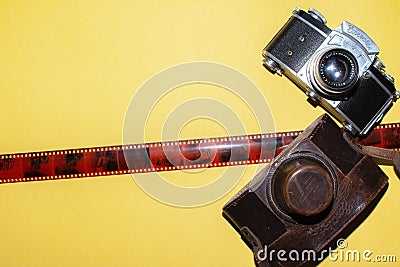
(336, 73)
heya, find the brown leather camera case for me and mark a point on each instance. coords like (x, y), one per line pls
(318, 190)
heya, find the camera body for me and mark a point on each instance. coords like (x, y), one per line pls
(338, 69)
(316, 191)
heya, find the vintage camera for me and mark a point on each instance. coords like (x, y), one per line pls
(316, 191)
(338, 69)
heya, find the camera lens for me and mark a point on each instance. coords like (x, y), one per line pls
(337, 72)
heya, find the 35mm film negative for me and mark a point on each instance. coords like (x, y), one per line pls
(163, 156)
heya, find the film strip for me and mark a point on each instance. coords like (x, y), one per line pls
(162, 156)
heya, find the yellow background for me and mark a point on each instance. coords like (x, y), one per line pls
(68, 70)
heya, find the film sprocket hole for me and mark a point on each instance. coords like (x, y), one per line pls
(338, 69)
(317, 190)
